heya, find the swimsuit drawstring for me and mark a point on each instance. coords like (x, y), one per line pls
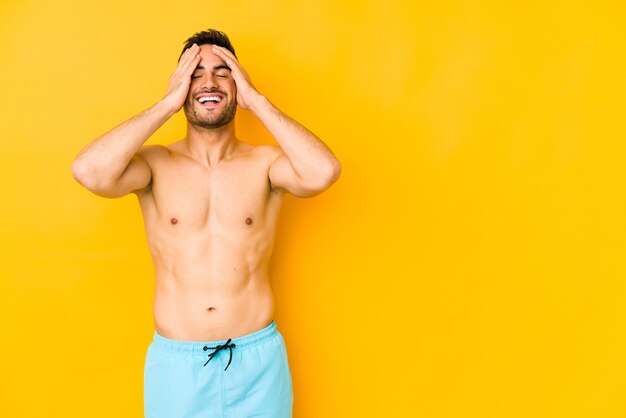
(218, 349)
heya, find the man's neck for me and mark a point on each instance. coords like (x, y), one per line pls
(210, 146)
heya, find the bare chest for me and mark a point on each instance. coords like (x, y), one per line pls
(232, 196)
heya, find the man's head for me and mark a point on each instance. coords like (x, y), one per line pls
(212, 98)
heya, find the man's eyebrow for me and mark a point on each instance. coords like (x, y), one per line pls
(216, 68)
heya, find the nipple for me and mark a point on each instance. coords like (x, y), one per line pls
(248, 221)
(173, 221)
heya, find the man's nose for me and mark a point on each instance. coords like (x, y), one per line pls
(210, 81)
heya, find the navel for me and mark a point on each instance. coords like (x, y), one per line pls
(248, 221)
(173, 221)
(210, 309)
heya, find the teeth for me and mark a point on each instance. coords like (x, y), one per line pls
(205, 99)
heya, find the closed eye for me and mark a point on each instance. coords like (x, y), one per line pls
(221, 71)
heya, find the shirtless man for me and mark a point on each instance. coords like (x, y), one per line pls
(210, 204)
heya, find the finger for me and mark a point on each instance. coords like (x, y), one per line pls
(225, 51)
(190, 67)
(185, 71)
(194, 53)
(189, 56)
(226, 55)
(185, 56)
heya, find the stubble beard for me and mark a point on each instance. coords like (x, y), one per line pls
(208, 119)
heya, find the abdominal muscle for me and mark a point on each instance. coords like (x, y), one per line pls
(211, 287)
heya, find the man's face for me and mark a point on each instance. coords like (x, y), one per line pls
(212, 98)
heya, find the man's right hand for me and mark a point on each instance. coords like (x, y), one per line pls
(109, 165)
(180, 80)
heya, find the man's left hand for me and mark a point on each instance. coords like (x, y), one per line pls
(246, 93)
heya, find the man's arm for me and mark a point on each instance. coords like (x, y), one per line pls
(307, 166)
(110, 166)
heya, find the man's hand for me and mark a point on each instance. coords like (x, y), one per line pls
(247, 95)
(180, 80)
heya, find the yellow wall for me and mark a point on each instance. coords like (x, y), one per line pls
(469, 263)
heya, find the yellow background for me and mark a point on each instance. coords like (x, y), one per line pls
(469, 262)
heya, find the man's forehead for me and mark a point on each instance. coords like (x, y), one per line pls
(208, 58)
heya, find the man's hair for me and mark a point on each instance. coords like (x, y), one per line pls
(209, 36)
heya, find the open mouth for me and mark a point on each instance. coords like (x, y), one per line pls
(209, 99)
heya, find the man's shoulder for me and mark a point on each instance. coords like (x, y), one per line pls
(153, 151)
(268, 153)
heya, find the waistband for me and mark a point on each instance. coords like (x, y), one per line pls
(197, 347)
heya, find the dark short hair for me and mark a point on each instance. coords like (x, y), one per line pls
(209, 36)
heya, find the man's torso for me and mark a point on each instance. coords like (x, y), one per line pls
(210, 231)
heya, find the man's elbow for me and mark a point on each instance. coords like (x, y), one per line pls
(85, 175)
(325, 178)
(80, 172)
(332, 172)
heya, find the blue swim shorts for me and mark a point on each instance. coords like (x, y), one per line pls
(239, 378)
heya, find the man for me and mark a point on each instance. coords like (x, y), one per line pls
(210, 204)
